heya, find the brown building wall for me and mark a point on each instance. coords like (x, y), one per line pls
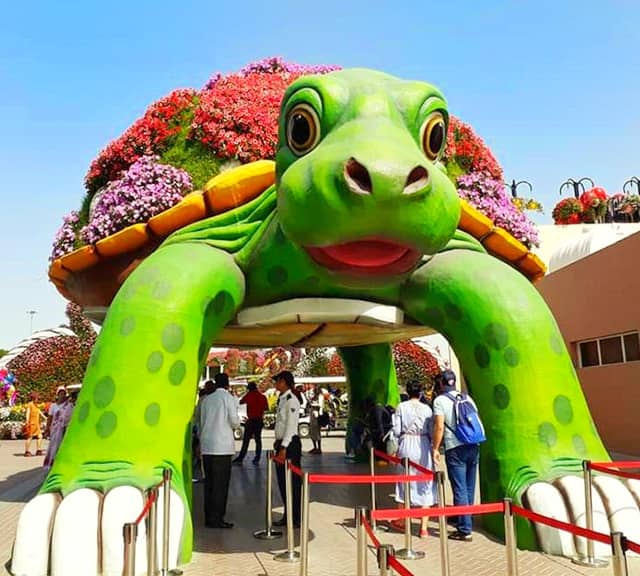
(594, 297)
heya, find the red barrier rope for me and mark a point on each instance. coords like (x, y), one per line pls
(422, 469)
(388, 457)
(369, 530)
(399, 568)
(147, 507)
(400, 513)
(633, 547)
(295, 469)
(620, 473)
(396, 460)
(626, 464)
(277, 460)
(571, 528)
(359, 479)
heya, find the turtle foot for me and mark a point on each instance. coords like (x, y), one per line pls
(81, 534)
(616, 508)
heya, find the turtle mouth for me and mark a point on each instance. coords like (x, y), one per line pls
(366, 257)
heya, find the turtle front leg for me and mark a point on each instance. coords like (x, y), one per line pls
(133, 415)
(518, 370)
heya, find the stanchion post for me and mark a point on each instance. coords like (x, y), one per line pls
(166, 494)
(619, 558)
(407, 553)
(304, 533)
(590, 559)
(372, 471)
(289, 555)
(384, 552)
(130, 534)
(152, 529)
(268, 533)
(442, 527)
(510, 539)
(361, 541)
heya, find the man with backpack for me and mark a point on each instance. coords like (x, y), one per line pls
(458, 428)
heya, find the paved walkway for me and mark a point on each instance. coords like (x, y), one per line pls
(332, 542)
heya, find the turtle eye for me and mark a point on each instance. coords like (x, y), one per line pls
(434, 132)
(303, 129)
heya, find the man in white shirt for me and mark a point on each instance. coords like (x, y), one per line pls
(218, 418)
(287, 444)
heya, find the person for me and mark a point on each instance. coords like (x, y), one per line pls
(256, 407)
(316, 412)
(217, 420)
(287, 444)
(197, 473)
(32, 426)
(59, 417)
(379, 424)
(412, 426)
(357, 431)
(461, 459)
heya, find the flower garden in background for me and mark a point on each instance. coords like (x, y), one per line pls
(189, 136)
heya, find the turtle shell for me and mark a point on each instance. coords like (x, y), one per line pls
(92, 275)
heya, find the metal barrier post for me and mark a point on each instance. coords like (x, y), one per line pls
(304, 533)
(268, 533)
(619, 558)
(384, 552)
(289, 555)
(130, 534)
(510, 539)
(361, 541)
(372, 471)
(442, 527)
(152, 529)
(590, 560)
(407, 553)
(166, 487)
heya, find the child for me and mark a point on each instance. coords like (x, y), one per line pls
(32, 426)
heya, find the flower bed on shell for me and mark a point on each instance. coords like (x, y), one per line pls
(233, 118)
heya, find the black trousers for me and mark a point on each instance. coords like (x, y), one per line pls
(294, 453)
(217, 472)
(252, 429)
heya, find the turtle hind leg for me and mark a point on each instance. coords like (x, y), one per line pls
(517, 368)
(134, 412)
(371, 375)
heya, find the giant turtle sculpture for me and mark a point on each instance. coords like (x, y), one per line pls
(356, 240)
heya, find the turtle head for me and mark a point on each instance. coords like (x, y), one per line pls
(360, 183)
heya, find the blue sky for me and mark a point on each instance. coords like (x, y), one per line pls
(552, 87)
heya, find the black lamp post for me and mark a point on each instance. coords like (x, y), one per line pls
(577, 185)
(514, 187)
(628, 185)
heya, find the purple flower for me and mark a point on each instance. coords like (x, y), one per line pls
(275, 65)
(489, 196)
(145, 189)
(64, 242)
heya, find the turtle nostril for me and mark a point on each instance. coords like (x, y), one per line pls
(357, 177)
(417, 179)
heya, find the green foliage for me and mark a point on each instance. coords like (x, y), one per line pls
(3, 352)
(454, 171)
(197, 160)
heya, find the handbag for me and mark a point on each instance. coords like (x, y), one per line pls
(390, 443)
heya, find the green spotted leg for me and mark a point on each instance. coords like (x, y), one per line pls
(517, 369)
(370, 373)
(133, 414)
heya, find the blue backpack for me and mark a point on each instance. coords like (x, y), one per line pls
(469, 428)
